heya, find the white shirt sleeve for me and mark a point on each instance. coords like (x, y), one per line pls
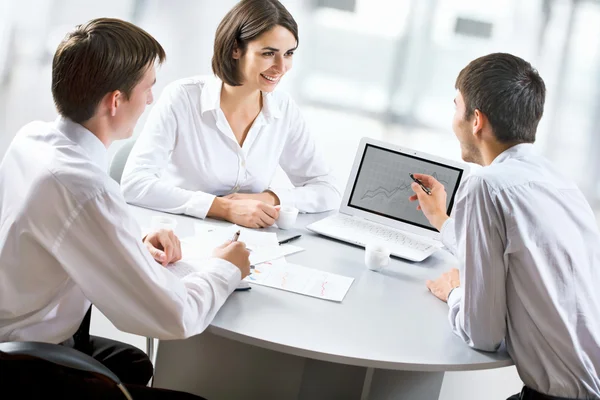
(478, 308)
(100, 248)
(141, 183)
(305, 164)
(448, 235)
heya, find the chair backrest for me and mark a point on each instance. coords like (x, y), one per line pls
(60, 355)
(118, 162)
(63, 356)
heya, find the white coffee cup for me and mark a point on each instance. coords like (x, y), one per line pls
(377, 256)
(287, 217)
(163, 222)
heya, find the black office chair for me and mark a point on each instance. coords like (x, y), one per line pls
(64, 356)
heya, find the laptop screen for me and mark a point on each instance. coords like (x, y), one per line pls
(382, 184)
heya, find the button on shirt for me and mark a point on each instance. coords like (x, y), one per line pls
(529, 249)
(67, 239)
(187, 154)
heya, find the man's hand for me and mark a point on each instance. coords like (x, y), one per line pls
(266, 197)
(237, 254)
(164, 246)
(433, 205)
(442, 286)
(252, 213)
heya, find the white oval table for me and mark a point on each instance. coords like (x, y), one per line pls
(388, 339)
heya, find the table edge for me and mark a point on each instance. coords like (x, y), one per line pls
(360, 362)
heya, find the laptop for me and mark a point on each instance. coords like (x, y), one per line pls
(375, 207)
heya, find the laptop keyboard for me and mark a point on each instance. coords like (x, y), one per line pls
(363, 232)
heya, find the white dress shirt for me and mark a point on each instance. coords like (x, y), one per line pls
(187, 154)
(529, 249)
(67, 239)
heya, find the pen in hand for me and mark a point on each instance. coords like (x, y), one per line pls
(425, 189)
(235, 238)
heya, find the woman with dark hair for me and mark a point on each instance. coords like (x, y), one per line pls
(212, 144)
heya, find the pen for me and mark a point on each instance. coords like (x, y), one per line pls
(289, 239)
(425, 189)
(235, 238)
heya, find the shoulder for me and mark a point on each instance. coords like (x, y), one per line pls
(478, 183)
(34, 127)
(190, 87)
(489, 176)
(71, 167)
(281, 97)
(81, 178)
(283, 101)
(56, 167)
(283, 107)
(31, 131)
(197, 82)
(532, 170)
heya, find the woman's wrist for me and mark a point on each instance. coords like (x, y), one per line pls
(273, 197)
(220, 208)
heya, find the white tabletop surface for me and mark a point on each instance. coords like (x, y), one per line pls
(387, 320)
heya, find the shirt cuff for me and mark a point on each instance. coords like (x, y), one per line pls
(199, 204)
(224, 270)
(286, 196)
(449, 235)
(455, 297)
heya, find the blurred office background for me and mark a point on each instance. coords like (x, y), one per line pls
(378, 68)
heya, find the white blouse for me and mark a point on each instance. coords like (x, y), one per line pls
(187, 154)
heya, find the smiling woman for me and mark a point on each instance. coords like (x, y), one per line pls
(254, 23)
(212, 144)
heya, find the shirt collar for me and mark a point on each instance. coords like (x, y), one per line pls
(84, 138)
(271, 107)
(515, 151)
(210, 99)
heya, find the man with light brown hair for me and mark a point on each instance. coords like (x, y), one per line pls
(67, 239)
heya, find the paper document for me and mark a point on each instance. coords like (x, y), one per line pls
(182, 268)
(280, 274)
(263, 246)
(299, 279)
(193, 249)
(264, 254)
(202, 227)
(251, 237)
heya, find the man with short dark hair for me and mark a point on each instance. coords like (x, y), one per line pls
(525, 237)
(67, 239)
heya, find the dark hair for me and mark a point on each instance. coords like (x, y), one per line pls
(246, 21)
(97, 58)
(509, 91)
